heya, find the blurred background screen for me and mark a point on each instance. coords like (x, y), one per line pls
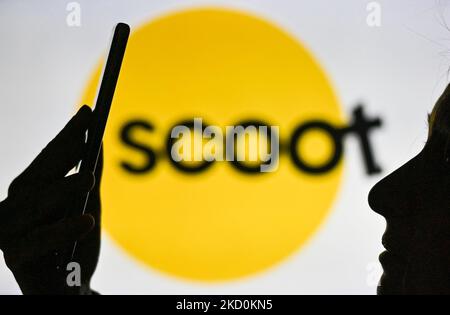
(305, 228)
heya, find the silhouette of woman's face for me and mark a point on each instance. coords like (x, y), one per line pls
(415, 200)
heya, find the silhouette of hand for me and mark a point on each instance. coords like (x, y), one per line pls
(35, 221)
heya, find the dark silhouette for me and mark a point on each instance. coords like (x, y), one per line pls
(415, 200)
(43, 228)
(35, 227)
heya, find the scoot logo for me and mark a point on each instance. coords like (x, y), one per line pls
(211, 220)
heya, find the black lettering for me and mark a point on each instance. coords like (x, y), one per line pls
(125, 136)
(332, 132)
(361, 127)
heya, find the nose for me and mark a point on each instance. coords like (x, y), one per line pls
(379, 197)
(397, 193)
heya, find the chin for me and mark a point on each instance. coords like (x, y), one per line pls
(424, 277)
(392, 280)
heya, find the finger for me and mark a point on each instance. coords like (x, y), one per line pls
(6, 230)
(93, 206)
(7, 212)
(14, 220)
(50, 204)
(53, 237)
(89, 246)
(68, 193)
(65, 150)
(61, 154)
(99, 169)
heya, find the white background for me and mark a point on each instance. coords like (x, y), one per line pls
(397, 70)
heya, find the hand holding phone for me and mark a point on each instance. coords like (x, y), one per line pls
(103, 105)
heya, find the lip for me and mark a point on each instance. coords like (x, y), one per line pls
(394, 264)
(394, 268)
(388, 258)
(392, 256)
(390, 246)
(397, 242)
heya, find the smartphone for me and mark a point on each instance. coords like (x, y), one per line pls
(104, 97)
(103, 102)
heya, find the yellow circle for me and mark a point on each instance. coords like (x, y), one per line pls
(223, 66)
